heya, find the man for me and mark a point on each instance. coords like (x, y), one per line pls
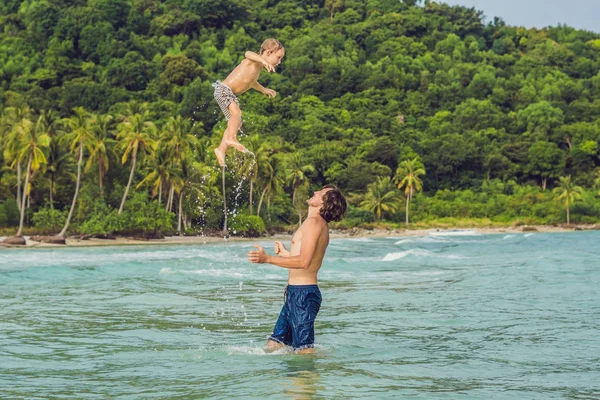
(295, 326)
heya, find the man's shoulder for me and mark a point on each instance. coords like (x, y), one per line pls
(315, 223)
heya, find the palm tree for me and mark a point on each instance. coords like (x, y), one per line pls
(161, 171)
(100, 146)
(274, 182)
(131, 108)
(191, 188)
(381, 197)
(57, 156)
(176, 138)
(567, 192)
(407, 177)
(267, 181)
(136, 134)
(296, 176)
(79, 136)
(34, 139)
(266, 177)
(12, 118)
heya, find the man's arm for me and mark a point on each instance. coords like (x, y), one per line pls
(310, 238)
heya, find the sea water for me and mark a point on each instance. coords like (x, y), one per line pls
(506, 316)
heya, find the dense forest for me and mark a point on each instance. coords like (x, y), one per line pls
(414, 109)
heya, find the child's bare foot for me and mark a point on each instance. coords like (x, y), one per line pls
(236, 145)
(220, 156)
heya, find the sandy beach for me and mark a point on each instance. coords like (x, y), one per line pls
(335, 234)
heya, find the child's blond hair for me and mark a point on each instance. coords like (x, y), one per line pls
(271, 45)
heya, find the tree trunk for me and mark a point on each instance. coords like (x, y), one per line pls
(251, 189)
(407, 202)
(100, 175)
(168, 198)
(64, 229)
(568, 219)
(179, 212)
(52, 190)
(22, 205)
(544, 181)
(133, 160)
(262, 195)
(224, 202)
(19, 186)
(160, 192)
(298, 209)
(169, 206)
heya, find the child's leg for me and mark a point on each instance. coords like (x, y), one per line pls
(233, 126)
(230, 134)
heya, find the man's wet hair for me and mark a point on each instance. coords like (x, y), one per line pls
(334, 204)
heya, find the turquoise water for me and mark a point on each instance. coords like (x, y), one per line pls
(458, 317)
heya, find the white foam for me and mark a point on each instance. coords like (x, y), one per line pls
(255, 351)
(508, 237)
(402, 254)
(87, 257)
(423, 239)
(528, 234)
(455, 233)
(419, 253)
(361, 239)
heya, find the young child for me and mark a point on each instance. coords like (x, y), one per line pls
(242, 78)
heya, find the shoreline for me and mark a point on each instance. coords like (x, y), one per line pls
(334, 234)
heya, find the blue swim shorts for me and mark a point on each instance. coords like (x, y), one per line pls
(296, 324)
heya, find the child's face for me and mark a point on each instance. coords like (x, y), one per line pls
(274, 58)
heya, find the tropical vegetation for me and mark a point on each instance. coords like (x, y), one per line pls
(107, 121)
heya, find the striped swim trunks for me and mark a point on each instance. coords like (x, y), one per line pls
(224, 96)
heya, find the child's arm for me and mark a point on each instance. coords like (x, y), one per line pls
(252, 56)
(264, 90)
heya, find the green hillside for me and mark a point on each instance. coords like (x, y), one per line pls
(489, 116)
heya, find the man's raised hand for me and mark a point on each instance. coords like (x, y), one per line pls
(257, 256)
